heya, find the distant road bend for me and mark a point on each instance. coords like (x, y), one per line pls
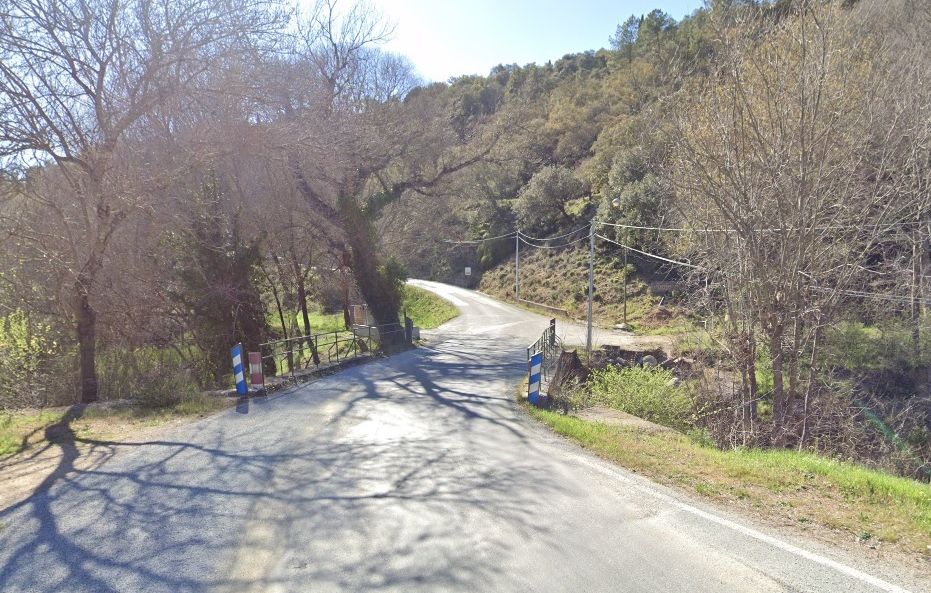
(413, 473)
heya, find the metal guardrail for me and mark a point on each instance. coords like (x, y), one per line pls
(302, 355)
(550, 345)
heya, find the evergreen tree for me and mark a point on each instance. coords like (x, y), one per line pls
(216, 272)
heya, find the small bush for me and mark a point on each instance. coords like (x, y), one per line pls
(570, 398)
(153, 377)
(166, 390)
(644, 392)
(541, 204)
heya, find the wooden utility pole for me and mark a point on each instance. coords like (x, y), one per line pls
(591, 287)
(625, 285)
(517, 265)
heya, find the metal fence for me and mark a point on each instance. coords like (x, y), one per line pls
(293, 358)
(550, 346)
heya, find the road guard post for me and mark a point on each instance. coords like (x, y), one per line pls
(535, 366)
(256, 374)
(238, 371)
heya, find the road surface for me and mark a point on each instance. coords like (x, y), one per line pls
(414, 473)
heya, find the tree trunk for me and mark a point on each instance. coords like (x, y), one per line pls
(379, 290)
(812, 374)
(86, 320)
(753, 390)
(302, 299)
(779, 394)
(792, 364)
(915, 310)
(924, 266)
(284, 326)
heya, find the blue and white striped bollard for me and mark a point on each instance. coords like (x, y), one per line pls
(533, 388)
(238, 370)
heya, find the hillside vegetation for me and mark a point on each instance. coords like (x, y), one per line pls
(559, 279)
(766, 166)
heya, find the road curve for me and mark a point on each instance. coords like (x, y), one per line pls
(413, 473)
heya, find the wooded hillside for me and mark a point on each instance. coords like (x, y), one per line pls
(772, 158)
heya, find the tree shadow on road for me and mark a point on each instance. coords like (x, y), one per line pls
(377, 479)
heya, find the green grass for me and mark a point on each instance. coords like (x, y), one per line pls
(321, 323)
(803, 487)
(858, 347)
(426, 309)
(22, 430)
(674, 327)
(15, 427)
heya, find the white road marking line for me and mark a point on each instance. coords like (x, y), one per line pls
(727, 523)
(492, 328)
(757, 535)
(445, 292)
(452, 299)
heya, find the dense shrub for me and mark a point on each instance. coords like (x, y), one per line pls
(541, 204)
(644, 392)
(216, 272)
(855, 346)
(153, 377)
(27, 348)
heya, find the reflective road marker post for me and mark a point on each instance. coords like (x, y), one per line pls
(256, 375)
(238, 372)
(533, 387)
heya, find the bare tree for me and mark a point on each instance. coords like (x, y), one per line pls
(353, 146)
(76, 78)
(783, 169)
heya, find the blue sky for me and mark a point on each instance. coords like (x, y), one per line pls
(446, 38)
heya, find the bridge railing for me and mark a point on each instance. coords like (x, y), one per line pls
(296, 357)
(550, 346)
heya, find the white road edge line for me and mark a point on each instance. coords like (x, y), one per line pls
(753, 533)
(757, 535)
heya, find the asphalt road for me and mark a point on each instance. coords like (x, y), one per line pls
(414, 473)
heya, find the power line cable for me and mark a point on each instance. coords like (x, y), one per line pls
(653, 255)
(526, 236)
(871, 295)
(764, 230)
(658, 228)
(476, 241)
(573, 242)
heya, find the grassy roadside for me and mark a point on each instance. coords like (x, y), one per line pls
(23, 430)
(427, 309)
(801, 488)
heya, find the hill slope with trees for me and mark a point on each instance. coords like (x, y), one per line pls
(776, 156)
